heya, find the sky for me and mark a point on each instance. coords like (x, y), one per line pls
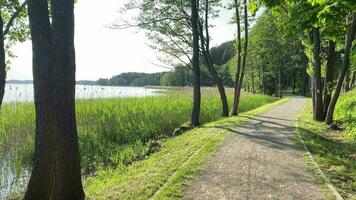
(102, 52)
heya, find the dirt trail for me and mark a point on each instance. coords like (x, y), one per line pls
(259, 161)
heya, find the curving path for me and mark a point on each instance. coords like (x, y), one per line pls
(259, 161)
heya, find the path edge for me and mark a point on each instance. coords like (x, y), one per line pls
(317, 166)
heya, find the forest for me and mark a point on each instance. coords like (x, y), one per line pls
(278, 100)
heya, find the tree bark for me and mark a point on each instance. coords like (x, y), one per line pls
(238, 62)
(330, 75)
(345, 66)
(352, 84)
(318, 114)
(279, 82)
(56, 171)
(195, 62)
(347, 81)
(2, 61)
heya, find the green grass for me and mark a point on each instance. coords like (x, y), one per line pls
(333, 150)
(113, 132)
(165, 174)
(345, 113)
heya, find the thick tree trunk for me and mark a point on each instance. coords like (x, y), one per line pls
(345, 66)
(56, 171)
(330, 76)
(312, 91)
(195, 61)
(2, 61)
(318, 114)
(238, 63)
(239, 86)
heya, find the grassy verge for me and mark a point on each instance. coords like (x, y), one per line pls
(164, 174)
(332, 150)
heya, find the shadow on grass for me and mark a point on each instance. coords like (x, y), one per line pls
(336, 158)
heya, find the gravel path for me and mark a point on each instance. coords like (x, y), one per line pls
(259, 161)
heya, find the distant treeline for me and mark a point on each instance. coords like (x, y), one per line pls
(181, 75)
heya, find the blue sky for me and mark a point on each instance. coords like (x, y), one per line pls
(104, 52)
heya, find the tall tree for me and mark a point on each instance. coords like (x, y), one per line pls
(329, 75)
(205, 47)
(14, 13)
(238, 63)
(241, 72)
(318, 87)
(350, 37)
(195, 63)
(168, 26)
(56, 170)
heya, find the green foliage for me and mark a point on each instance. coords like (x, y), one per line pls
(223, 53)
(345, 113)
(18, 29)
(132, 79)
(272, 49)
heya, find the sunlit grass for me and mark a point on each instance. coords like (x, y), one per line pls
(333, 150)
(165, 174)
(113, 132)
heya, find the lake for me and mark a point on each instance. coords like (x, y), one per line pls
(24, 92)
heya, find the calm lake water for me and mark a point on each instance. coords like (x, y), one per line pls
(24, 92)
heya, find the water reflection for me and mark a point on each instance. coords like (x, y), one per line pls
(24, 92)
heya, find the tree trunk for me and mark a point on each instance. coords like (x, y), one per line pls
(253, 79)
(352, 84)
(2, 61)
(238, 95)
(205, 45)
(345, 66)
(238, 63)
(195, 62)
(330, 75)
(318, 114)
(347, 81)
(279, 82)
(56, 171)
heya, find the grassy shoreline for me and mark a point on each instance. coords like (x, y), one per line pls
(114, 132)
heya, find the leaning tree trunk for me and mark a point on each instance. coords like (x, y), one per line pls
(345, 66)
(195, 62)
(318, 114)
(330, 76)
(56, 171)
(238, 63)
(239, 86)
(205, 45)
(2, 61)
(347, 81)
